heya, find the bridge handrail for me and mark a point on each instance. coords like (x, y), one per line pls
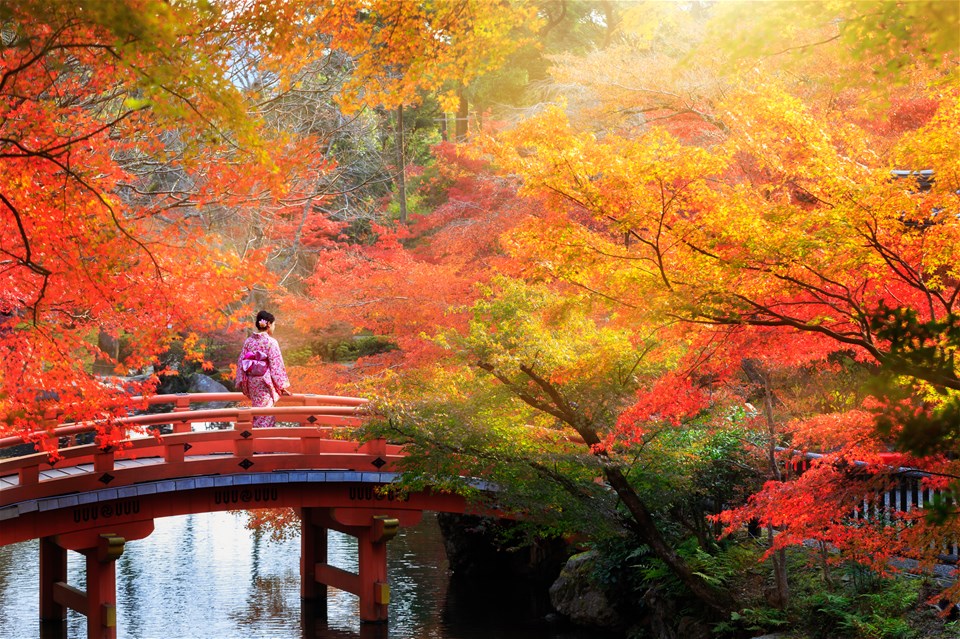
(185, 399)
(305, 405)
(306, 434)
(222, 441)
(341, 416)
(889, 459)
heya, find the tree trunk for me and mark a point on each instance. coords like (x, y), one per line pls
(401, 169)
(719, 600)
(463, 112)
(779, 559)
(611, 20)
(110, 348)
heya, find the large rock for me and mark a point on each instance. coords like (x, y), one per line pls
(576, 594)
(662, 619)
(200, 383)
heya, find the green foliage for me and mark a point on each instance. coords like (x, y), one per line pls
(414, 206)
(922, 357)
(430, 188)
(518, 325)
(721, 569)
(362, 346)
(616, 566)
(754, 620)
(830, 608)
(298, 356)
(627, 570)
(336, 347)
(691, 473)
(923, 349)
(461, 426)
(864, 606)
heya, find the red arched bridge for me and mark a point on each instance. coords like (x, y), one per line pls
(93, 500)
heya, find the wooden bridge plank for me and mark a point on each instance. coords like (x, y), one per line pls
(122, 462)
(53, 473)
(66, 471)
(75, 470)
(201, 465)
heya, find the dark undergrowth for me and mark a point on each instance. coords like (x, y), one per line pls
(825, 602)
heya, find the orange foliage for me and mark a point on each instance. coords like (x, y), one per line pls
(403, 49)
(411, 282)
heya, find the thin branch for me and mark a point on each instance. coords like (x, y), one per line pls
(526, 397)
(27, 260)
(107, 205)
(802, 47)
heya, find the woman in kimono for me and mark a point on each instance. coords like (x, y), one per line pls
(261, 375)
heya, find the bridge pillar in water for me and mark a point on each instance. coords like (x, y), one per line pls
(53, 570)
(99, 601)
(313, 551)
(373, 529)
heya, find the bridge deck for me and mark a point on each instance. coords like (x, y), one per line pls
(152, 488)
(13, 481)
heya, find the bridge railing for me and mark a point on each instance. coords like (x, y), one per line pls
(318, 440)
(180, 403)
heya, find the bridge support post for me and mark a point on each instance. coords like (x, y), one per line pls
(101, 592)
(372, 531)
(53, 570)
(99, 601)
(313, 551)
(372, 564)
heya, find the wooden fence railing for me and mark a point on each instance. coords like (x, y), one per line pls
(905, 493)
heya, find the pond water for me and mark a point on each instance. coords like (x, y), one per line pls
(207, 576)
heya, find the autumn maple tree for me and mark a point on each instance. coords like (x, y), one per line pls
(154, 180)
(772, 226)
(742, 226)
(87, 244)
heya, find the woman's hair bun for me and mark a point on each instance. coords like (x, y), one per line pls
(264, 319)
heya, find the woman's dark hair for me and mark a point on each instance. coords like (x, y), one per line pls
(263, 319)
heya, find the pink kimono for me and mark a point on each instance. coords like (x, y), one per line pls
(265, 390)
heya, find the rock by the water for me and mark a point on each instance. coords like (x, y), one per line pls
(576, 594)
(200, 383)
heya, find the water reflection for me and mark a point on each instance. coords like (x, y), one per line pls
(206, 576)
(316, 625)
